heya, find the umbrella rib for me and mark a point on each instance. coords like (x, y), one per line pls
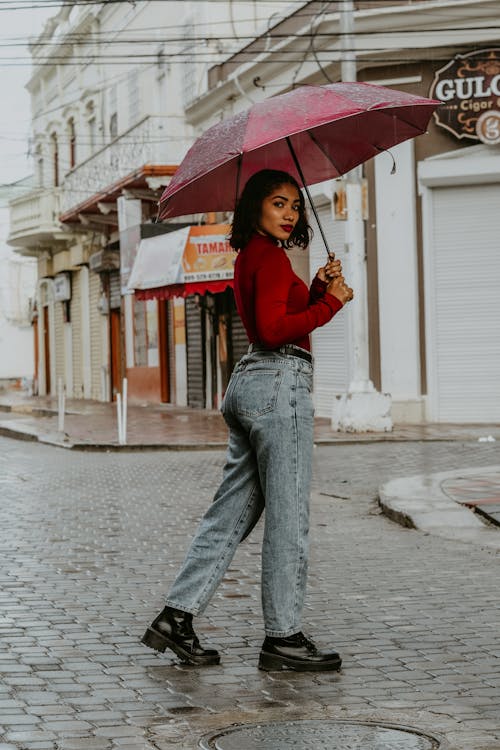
(238, 175)
(323, 150)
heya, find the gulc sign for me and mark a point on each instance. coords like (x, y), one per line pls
(469, 89)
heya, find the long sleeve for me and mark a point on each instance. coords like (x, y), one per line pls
(317, 289)
(275, 325)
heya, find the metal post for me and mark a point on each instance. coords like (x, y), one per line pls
(119, 416)
(348, 69)
(61, 405)
(124, 407)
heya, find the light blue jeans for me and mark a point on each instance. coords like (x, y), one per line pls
(269, 411)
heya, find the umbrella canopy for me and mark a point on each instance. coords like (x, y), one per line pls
(329, 129)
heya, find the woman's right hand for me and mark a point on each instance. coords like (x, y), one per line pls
(340, 290)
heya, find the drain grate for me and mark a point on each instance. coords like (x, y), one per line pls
(319, 735)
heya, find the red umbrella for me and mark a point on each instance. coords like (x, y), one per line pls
(315, 133)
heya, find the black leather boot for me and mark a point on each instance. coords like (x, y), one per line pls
(173, 629)
(298, 653)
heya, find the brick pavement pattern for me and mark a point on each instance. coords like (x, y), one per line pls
(90, 541)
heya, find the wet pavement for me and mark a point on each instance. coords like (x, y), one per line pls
(90, 542)
(93, 425)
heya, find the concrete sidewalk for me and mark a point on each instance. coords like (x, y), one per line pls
(459, 505)
(92, 425)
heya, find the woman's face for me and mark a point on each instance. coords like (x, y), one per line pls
(280, 212)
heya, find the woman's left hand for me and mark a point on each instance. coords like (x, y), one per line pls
(330, 271)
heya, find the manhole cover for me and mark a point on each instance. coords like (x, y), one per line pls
(319, 735)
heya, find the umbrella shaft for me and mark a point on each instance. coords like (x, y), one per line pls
(299, 170)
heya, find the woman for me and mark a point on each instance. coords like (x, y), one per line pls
(269, 411)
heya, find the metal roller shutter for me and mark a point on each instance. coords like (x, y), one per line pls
(464, 304)
(59, 342)
(76, 330)
(195, 335)
(239, 338)
(330, 342)
(95, 336)
(115, 299)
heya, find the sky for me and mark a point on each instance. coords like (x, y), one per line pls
(18, 25)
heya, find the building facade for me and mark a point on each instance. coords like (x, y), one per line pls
(436, 354)
(109, 87)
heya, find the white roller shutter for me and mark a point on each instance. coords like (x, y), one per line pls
(76, 331)
(95, 336)
(330, 342)
(464, 298)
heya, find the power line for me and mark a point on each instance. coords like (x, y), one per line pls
(91, 39)
(205, 58)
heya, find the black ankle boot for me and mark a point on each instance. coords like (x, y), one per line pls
(173, 629)
(296, 652)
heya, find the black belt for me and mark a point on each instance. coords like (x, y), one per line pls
(291, 349)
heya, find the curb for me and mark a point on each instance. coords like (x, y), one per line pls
(57, 442)
(418, 502)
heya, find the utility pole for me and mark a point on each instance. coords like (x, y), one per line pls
(362, 408)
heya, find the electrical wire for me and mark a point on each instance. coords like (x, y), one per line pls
(92, 38)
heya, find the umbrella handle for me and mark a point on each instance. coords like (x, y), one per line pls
(299, 170)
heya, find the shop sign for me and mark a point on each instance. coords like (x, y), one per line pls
(469, 89)
(62, 287)
(208, 256)
(186, 256)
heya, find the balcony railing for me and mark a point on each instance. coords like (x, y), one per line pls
(149, 142)
(34, 218)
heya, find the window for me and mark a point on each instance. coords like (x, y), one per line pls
(55, 158)
(92, 126)
(39, 165)
(113, 125)
(113, 108)
(189, 67)
(134, 106)
(72, 142)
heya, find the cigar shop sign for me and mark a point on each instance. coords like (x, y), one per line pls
(469, 89)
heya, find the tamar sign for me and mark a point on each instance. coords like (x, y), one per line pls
(208, 255)
(469, 89)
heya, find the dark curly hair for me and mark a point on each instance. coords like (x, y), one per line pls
(248, 209)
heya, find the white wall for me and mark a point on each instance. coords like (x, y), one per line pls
(17, 285)
(398, 277)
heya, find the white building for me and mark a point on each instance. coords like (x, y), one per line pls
(17, 286)
(109, 88)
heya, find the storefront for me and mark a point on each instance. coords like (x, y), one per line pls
(433, 231)
(460, 192)
(190, 271)
(112, 336)
(461, 217)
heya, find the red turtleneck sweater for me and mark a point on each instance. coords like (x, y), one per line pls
(275, 305)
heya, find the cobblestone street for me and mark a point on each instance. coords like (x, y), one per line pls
(90, 542)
